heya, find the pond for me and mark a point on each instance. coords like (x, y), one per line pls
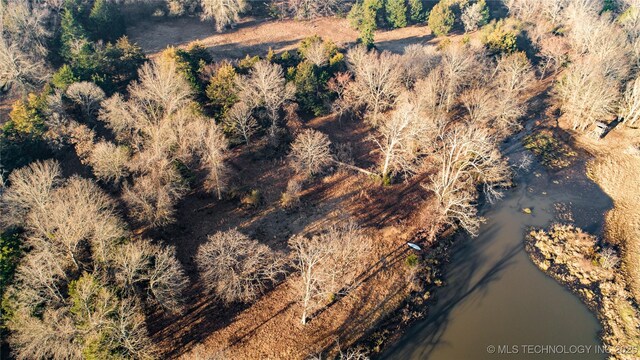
(496, 304)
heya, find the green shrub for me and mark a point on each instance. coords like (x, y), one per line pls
(412, 260)
(442, 18)
(501, 37)
(245, 65)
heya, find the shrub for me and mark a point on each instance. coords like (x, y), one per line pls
(412, 260)
(441, 18)
(253, 199)
(500, 37)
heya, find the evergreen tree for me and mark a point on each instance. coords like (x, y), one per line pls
(365, 16)
(396, 13)
(105, 21)
(417, 11)
(441, 18)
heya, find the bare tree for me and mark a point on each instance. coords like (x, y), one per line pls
(152, 196)
(86, 94)
(167, 280)
(554, 52)
(223, 12)
(266, 86)
(629, 109)
(310, 152)
(69, 222)
(479, 101)
(109, 161)
(377, 80)
(146, 268)
(22, 46)
(162, 125)
(316, 53)
(466, 159)
(50, 337)
(237, 268)
(329, 264)
(20, 72)
(309, 9)
(586, 94)
(472, 17)
(31, 188)
(398, 140)
(240, 122)
(513, 77)
(417, 61)
(213, 154)
(459, 64)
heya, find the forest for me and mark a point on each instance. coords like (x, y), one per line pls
(190, 204)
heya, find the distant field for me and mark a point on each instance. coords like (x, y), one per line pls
(255, 36)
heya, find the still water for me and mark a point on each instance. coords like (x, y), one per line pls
(496, 304)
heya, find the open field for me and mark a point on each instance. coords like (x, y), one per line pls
(256, 36)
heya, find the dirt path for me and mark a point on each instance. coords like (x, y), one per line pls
(256, 36)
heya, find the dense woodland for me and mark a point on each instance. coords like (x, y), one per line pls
(103, 143)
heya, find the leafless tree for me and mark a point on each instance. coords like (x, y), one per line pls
(377, 80)
(144, 267)
(40, 280)
(240, 122)
(223, 12)
(316, 53)
(50, 337)
(86, 94)
(398, 140)
(214, 145)
(417, 61)
(459, 64)
(237, 268)
(31, 188)
(19, 71)
(629, 109)
(586, 94)
(309, 9)
(479, 101)
(512, 78)
(167, 280)
(472, 17)
(329, 264)
(310, 152)
(466, 158)
(339, 85)
(554, 51)
(162, 125)
(152, 196)
(70, 221)
(266, 86)
(109, 161)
